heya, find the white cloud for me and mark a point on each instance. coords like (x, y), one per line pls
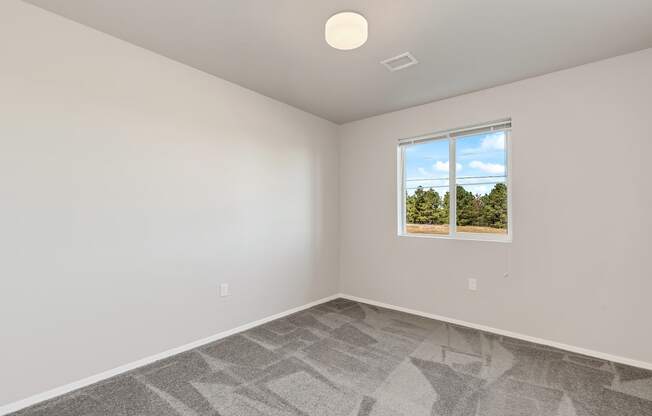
(492, 168)
(444, 166)
(493, 142)
(423, 172)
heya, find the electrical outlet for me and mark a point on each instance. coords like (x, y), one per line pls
(473, 284)
(224, 289)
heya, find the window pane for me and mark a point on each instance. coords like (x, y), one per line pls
(425, 168)
(482, 183)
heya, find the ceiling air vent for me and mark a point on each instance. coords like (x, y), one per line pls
(399, 62)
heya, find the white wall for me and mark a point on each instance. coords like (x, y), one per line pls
(579, 265)
(130, 187)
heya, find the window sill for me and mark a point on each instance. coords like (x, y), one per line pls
(462, 237)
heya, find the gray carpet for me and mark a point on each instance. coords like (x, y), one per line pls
(345, 358)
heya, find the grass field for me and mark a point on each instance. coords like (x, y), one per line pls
(443, 229)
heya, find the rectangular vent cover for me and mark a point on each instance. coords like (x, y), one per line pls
(399, 62)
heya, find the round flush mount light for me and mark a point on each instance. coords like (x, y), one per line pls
(346, 31)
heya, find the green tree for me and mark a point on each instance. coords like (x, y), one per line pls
(468, 207)
(428, 207)
(410, 208)
(494, 209)
(423, 207)
(444, 216)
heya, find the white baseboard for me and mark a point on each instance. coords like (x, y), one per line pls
(32, 400)
(21, 404)
(570, 348)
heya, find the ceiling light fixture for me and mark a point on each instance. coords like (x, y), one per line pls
(346, 31)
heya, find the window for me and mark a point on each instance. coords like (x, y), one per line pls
(456, 184)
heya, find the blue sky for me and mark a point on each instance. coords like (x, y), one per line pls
(480, 159)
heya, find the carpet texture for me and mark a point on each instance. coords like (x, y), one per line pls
(344, 358)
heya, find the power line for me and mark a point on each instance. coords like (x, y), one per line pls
(459, 184)
(459, 177)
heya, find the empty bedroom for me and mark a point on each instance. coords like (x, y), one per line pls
(325, 208)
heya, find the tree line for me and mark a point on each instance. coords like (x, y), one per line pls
(428, 207)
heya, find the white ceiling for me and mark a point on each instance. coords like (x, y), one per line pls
(277, 47)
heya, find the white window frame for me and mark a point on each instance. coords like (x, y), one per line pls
(452, 136)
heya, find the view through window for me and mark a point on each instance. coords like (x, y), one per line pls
(476, 187)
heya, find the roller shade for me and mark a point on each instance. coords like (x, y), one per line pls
(467, 131)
